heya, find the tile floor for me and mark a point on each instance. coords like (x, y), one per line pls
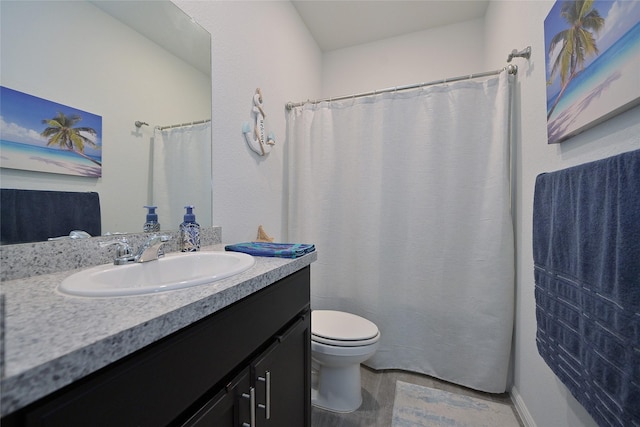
(378, 388)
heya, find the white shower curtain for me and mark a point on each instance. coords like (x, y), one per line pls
(407, 198)
(181, 173)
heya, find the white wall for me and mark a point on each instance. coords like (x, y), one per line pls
(423, 56)
(254, 44)
(265, 44)
(516, 24)
(101, 66)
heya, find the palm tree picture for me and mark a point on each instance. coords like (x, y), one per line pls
(39, 135)
(577, 43)
(62, 133)
(592, 56)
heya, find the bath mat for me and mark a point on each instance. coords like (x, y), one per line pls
(417, 406)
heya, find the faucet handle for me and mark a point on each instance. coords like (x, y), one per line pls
(123, 248)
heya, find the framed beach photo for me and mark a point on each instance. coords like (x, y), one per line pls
(44, 136)
(592, 64)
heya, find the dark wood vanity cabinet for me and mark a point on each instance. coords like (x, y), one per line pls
(266, 393)
(246, 365)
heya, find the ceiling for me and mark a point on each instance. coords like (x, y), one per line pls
(337, 24)
(165, 24)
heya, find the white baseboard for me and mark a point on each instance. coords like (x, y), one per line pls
(521, 408)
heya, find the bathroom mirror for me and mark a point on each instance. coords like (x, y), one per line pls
(127, 62)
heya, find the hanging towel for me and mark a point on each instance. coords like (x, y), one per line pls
(280, 250)
(586, 250)
(36, 215)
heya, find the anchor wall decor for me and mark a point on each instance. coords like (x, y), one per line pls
(256, 139)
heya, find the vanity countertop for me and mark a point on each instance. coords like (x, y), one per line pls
(52, 340)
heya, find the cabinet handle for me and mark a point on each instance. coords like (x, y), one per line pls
(267, 380)
(252, 399)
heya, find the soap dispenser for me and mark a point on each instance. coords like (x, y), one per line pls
(152, 225)
(189, 232)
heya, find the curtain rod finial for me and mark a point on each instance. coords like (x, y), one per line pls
(524, 53)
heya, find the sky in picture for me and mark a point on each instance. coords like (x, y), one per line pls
(21, 118)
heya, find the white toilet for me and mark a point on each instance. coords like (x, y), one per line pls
(339, 343)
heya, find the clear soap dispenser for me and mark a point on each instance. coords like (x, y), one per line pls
(189, 232)
(152, 225)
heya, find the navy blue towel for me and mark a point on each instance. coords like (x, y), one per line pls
(36, 215)
(280, 250)
(586, 250)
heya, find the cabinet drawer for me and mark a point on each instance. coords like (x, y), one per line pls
(157, 384)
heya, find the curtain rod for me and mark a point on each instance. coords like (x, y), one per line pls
(183, 124)
(511, 69)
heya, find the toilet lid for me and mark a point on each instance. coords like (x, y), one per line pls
(345, 328)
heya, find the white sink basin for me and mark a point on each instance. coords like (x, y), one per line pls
(173, 271)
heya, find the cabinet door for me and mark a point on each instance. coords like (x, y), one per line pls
(231, 407)
(282, 378)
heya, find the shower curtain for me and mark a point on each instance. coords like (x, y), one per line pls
(407, 198)
(181, 173)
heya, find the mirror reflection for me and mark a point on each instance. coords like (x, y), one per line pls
(127, 62)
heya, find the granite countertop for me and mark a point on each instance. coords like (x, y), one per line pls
(52, 340)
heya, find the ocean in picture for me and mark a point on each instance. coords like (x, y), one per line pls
(604, 88)
(15, 155)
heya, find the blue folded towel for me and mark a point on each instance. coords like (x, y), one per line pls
(280, 250)
(586, 250)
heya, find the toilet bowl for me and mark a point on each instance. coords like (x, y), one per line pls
(339, 343)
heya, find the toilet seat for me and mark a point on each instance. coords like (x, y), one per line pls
(342, 329)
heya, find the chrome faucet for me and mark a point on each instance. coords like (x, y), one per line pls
(151, 250)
